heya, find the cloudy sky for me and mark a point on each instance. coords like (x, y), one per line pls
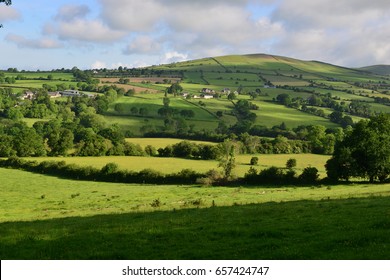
(48, 35)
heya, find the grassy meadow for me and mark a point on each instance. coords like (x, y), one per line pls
(49, 218)
(173, 165)
(162, 142)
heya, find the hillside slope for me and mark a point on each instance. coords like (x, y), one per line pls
(377, 69)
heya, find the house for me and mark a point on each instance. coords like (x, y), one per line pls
(28, 95)
(208, 90)
(226, 91)
(90, 95)
(70, 93)
(54, 94)
(207, 96)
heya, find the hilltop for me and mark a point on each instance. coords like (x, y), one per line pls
(377, 69)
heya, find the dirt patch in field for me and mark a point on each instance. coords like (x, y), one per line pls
(140, 80)
(114, 81)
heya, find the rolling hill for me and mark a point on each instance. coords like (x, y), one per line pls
(377, 69)
(315, 89)
(266, 75)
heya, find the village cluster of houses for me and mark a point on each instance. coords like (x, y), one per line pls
(207, 93)
(55, 94)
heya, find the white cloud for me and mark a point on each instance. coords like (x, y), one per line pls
(345, 32)
(72, 24)
(86, 31)
(43, 43)
(351, 33)
(170, 57)
(132, 15)
(71, 12)
(143, 45)
(8, 13)
(98, 65)
(193, 27)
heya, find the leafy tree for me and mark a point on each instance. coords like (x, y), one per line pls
(227, 159)
(309, 175)
(60, 141)
(336, 117)
(291, 163)
(14, 113)
(284, 99)
(150, 150)
(120, 108)
(165, 112)
(254, 161)
(187, 113)
(166, 101)
(109, 168)
(134, 110)
(175, 89)
(231, 96)
(7, 2)
(364, 152)
(143, 111)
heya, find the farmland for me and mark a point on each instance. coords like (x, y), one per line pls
(48, 218)
(171, 165)
(267, 107)
(268, 75)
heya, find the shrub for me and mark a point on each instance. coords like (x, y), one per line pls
(309, 175)
(254, 161)
(109, 168)
(273, 175)
(291, 163)
(150, 176)
(150, 150)
(156, 203)
(212, 177)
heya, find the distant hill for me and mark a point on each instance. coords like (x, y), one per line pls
(377, 69)
(266, 64)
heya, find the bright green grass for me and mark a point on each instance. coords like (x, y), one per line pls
(28, 196)
(154, 102)
(162, 142)
(284, 80)
(133, 124)
(271, 114)
(38, 83)
(172, 165)
(37, 75)
(48, 218)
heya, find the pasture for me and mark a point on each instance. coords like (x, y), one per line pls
(45, 217)
(162, 142)
(173, 165)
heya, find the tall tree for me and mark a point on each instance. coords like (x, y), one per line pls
(365, 152)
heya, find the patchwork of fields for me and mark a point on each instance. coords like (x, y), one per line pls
(45, 217)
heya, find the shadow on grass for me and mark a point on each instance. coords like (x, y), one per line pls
(332, 229)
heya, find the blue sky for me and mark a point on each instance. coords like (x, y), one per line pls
(88, 34)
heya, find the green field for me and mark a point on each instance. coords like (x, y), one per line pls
(162, 142)
(49, 218)
(45, 217)
(173, 165)
(244, 73)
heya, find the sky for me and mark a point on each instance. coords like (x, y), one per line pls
(94, 34)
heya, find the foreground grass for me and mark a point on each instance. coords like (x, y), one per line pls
(331, 229)
(26, 196)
